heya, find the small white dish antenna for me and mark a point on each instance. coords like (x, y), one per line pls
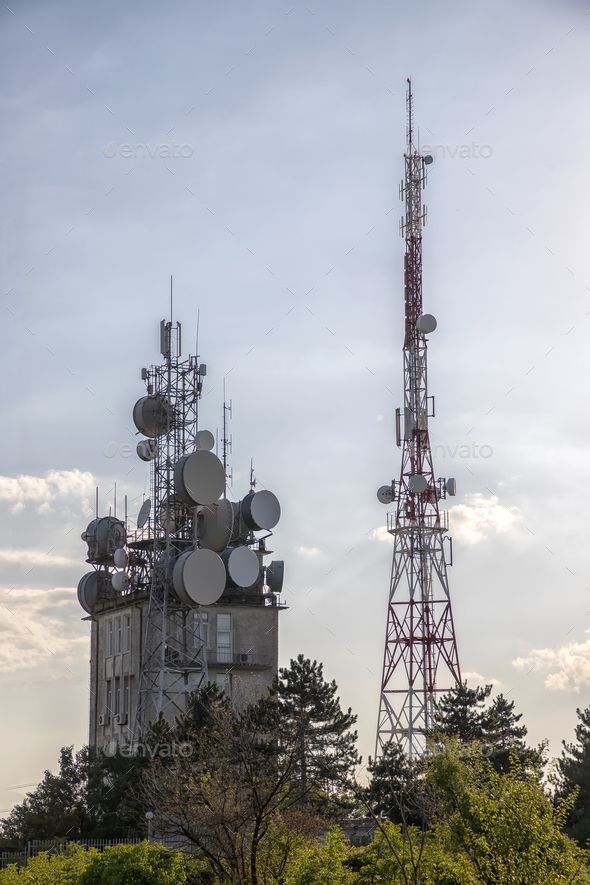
(205, 441)
(417, 483)
(199, 478)
(426, 323)
(451, 486)
(144, 513)
(199, 577)
(385, 494)
(120, 558)
(243, 566)
(261, 510)
(120, 581)
(147, 449)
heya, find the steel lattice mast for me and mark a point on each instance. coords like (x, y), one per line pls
(420, 660)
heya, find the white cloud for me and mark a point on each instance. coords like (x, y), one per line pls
(309, 552)
(481, 517)
(569, 665)
(36, 557)
(41, 628)
(477, 679)
(381, 534)
(43, 491)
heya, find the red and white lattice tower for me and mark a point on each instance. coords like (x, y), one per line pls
(420, 661)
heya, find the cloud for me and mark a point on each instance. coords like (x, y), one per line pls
(381, 534)
(41, 629)
(481, 517)
(36, 557)
(44, 491)
(477, 679)
(569, 665)
(309, 552)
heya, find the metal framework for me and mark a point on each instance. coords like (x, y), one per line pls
(173, 648)
(420, 659)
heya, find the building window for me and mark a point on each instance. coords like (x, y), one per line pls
(119, 635)
(127, 634)
(109, 709)
(126, 694)
(109, 638)
(224, 638)
(200, 619)
(117, 694)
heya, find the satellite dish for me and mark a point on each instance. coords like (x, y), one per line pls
(147, 449)
(205, 440)
(103, 536)
(92, 588)
(385, 495)
(275, 574)
(120, 558)
(199, 577)
(153, 415)
(144, 513)
(417, 483)
(428, 159)
(261, 510)
(120, 581)
(216, 524)
(243, 566)
(451, 485)
(426, 323)
(199, 478)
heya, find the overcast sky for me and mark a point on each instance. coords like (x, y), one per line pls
(254, 150)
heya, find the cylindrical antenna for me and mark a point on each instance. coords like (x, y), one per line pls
(125, 511)
(115, 501)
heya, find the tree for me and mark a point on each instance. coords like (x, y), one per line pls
(313, 728)
(574, 778)
(503, 737)
(460, 713)
(396, 789)
(229, 795)
(505, 825)
(56, 807)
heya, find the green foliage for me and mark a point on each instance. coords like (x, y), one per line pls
(574, 778)
(322, 864)
(60, 868)
(312, 725)
(56, 807)
(396, 789)
(504, 824)
(143, 864)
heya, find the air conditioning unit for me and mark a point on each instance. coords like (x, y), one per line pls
(103, 719)
(121, 719)
(244, 658)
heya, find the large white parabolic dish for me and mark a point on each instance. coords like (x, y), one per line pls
(217, 523)
(199, 577)
(153, 415)
(199, 478)
(261, 510)
(243, 566)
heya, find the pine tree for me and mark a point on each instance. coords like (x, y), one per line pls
(460, 713)
(503, 737)
(574, 774)
(313, 726)
(396, 789)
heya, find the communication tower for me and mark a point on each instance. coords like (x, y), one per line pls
(183, 597)
(420, 659)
